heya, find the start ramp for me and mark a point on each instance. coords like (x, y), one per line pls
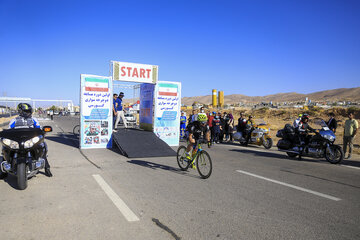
(135, 143)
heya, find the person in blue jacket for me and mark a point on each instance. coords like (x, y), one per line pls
(182, 125)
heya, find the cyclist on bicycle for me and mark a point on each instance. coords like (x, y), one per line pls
(199, 131)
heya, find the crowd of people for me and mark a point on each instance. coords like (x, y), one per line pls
(222, 126)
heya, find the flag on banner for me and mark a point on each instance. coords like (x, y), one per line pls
(96, 85)
(167, 90)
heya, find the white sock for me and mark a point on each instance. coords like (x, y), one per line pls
(188, 153)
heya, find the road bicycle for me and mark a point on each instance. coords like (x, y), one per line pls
(200, 160)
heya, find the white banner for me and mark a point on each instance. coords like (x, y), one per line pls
(134, 72)
(167, 112)
(96, 111)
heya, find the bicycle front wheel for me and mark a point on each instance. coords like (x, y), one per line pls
(204, 164)
(181, 158)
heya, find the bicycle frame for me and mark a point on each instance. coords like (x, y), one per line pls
(198, 149)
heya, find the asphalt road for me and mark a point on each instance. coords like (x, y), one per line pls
(252, 193)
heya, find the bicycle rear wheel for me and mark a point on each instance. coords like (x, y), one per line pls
(181, 158)
(204, 164)
(76, 130)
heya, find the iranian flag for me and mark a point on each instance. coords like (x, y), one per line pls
(167, 89)
(96, 84)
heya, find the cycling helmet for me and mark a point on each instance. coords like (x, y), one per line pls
(25, 110)
(202, 117)
(214, 113)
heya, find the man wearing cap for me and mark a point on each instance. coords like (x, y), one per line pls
(119, 110)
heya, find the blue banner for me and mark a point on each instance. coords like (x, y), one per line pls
(146, 106)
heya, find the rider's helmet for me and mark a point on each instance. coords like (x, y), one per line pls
(25, 110)
(304, 117)
(202, 117)
(121, 94)
(214, 113)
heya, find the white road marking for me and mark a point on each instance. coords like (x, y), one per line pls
(292, 186)
(119, 203)
(350, 166)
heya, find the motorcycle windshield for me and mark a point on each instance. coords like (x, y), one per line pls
(326, 133)
(21, 134)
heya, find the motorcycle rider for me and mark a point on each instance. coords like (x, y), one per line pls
(248, 129)
(25, 120)
(302, 132)
(241, 123)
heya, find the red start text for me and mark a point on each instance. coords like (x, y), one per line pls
(135, 72)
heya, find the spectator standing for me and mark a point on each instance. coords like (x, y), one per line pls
(120, 111)
(182, 125)
(226, 126)
(210, 123)
(231, 127)
(114, 109)
(350, 130)
(332, 123)
(216, 123)
(222, 129)
(297, 121)
(192, 117)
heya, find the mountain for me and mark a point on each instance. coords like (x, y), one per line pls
(340, 94)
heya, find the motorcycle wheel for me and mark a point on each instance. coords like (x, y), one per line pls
(268, 143)
(337, 155)
(243, 144)
(290, 154)
(21, 176)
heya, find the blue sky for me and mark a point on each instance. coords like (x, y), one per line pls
(250, 47)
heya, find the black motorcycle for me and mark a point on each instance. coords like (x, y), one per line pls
(24, 153)
(318, 146)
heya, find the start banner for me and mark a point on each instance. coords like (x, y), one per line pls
(134, 72)
(96, 111)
